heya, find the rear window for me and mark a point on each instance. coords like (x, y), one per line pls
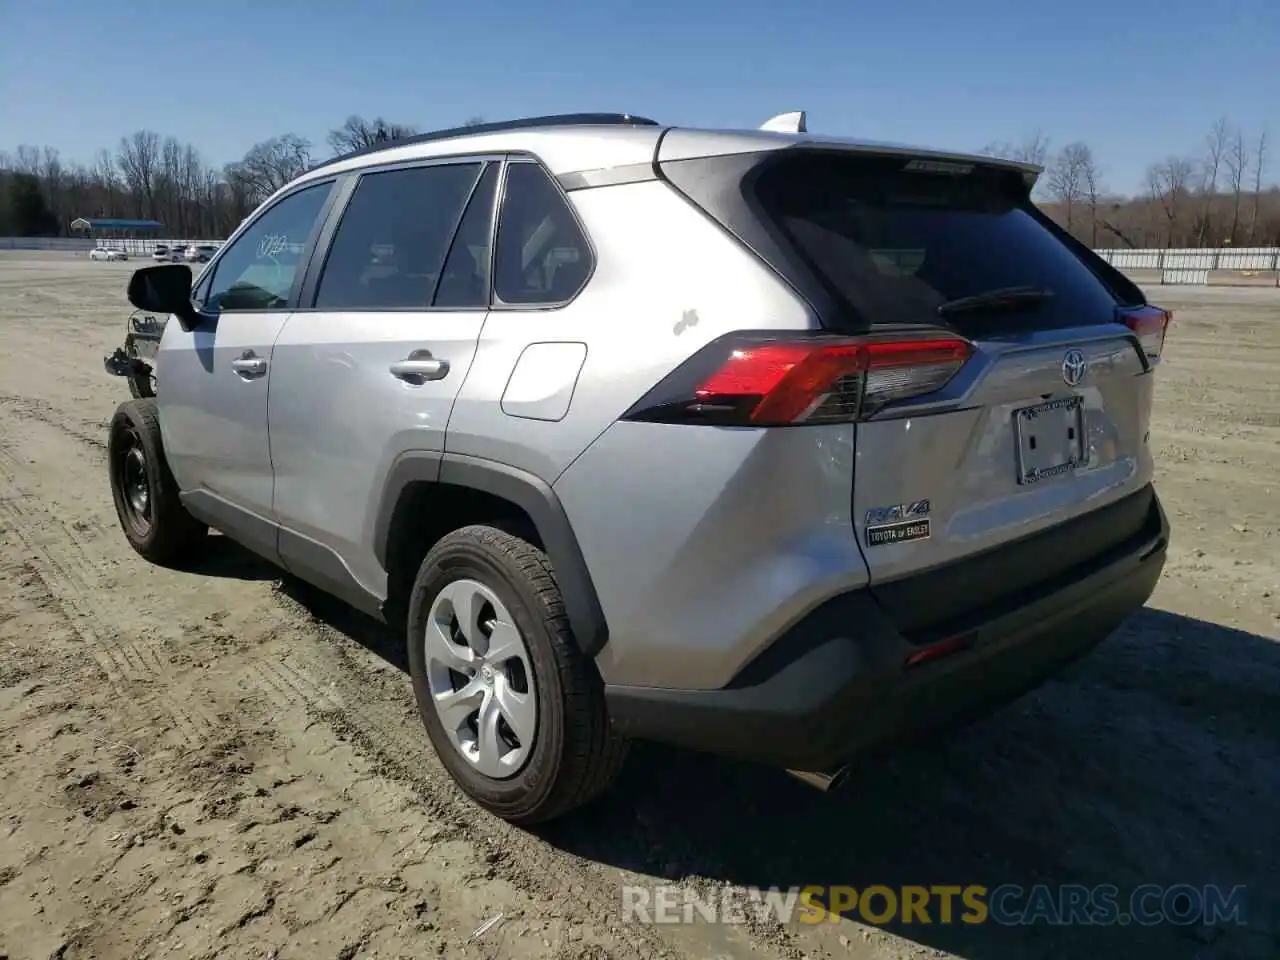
(894, 243)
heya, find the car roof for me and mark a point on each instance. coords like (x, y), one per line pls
(575, 143)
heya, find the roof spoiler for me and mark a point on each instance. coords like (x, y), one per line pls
(786, 123)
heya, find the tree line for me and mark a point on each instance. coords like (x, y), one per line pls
(152, 177)
(1215, 195)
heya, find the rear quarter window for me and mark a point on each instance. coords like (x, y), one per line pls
(893, 244)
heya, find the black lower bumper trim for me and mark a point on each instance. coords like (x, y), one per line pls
(844, 688)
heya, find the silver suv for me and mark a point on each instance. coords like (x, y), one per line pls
(760, 443)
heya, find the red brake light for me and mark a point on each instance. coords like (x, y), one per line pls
(753, 380)
(1149, 324)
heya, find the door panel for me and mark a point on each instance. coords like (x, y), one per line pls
(339, 417)
(215, 415)
(371, 369)
(213, 401)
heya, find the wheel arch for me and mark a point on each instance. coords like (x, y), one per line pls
(485, 491)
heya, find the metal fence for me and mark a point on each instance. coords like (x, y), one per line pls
(1246, 266)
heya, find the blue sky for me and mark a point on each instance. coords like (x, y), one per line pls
(1136, 79)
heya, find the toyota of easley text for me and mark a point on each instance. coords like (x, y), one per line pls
(761, 443)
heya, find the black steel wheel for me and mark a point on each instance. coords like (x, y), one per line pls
(145, 494)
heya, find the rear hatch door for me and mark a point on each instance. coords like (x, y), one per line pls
(1047, 423)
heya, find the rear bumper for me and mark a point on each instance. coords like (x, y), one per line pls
(838, 684)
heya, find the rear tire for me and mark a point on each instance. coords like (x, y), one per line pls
(154, 521)
(569, 755)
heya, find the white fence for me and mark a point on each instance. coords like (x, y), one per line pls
(1243, 266)
(45, 243)
(134, 247)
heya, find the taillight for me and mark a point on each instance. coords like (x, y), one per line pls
(762, 380)
(1149, 324)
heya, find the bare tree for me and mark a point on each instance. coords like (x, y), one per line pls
(26, 159)
(138, 158)
(269, 165)
(1066, 180)
(357, 133)
(1237, 161)
(1215, 147)
(53, 182)
(1167, 184)
(1259, 171)
(1032, 148)
(105, 170)
(1092, 179)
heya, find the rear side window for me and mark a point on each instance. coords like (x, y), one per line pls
(392, 240)
(541, 257)
(465, 281)
(895, 243)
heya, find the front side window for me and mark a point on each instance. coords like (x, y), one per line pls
(391, 244)
(541, 255)
(258, 270)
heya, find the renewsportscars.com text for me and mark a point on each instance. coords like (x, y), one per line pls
(1007, 904)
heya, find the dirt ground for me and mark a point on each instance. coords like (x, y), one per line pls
(226, 764)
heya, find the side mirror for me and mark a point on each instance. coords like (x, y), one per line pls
(165, 288)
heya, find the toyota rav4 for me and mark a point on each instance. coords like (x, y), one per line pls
(761, 443)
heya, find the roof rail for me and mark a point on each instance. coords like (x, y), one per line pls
(552, 120)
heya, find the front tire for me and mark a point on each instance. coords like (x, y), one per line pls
(513, 708)
(152, 516)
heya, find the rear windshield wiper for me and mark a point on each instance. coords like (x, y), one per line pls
(995, 300)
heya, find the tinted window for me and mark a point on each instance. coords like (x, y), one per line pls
(257, 271)
(394, 234)
(896, 243)
(541, 256)
(465, 281)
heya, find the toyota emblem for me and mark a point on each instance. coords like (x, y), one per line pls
(1073, 367)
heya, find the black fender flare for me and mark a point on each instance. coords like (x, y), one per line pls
(531, 494)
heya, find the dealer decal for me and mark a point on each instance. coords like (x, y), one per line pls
(898, 532)
(900, 523)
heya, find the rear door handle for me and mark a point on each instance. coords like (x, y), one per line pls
(249, 366)
(419, 367)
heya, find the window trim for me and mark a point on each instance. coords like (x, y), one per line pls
(350, 180)
(208, 276)
(500, 166)
(497, 304)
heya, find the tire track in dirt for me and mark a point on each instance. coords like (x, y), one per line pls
(88, 600)
(319, 673)
(89, 432)
(357, 700)
(329, 679)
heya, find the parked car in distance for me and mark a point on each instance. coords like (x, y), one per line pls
(199, 252)
(105, 253)
(162, 253)
(771, 445)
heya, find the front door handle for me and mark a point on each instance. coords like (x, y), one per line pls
(249, 366)
(419, 367)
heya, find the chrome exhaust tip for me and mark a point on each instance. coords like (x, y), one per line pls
(826, 782)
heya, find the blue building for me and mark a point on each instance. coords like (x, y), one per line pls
(103, 229)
